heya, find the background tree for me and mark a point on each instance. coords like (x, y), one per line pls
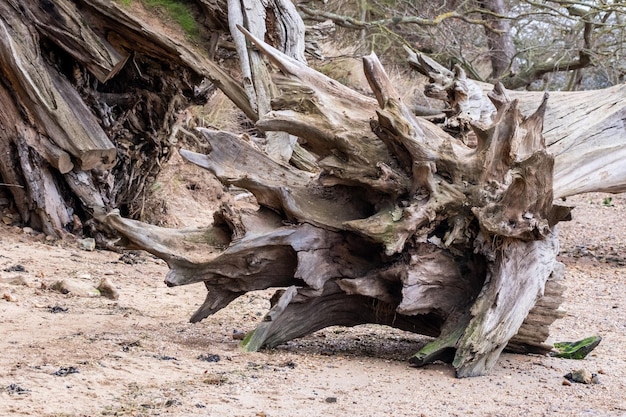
(526, 42)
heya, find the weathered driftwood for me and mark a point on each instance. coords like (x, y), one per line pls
(584, 130)
(278, 22)
(48, 99)
(403, 225)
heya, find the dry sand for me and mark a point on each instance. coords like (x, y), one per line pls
(64, 355)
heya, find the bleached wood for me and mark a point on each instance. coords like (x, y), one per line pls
(410, 258)
(333, 121)
(277, 21)
(584, 130)
(279, 187)
(235, 19)
(50, 100)
(513, 285)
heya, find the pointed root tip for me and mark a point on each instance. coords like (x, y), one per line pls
(544, 103)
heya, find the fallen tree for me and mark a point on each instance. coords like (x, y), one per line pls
(402, 224)
(373, 216)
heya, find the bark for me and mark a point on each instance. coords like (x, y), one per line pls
(499, 39)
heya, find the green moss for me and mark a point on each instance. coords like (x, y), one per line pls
(245, 343)
(178, 11)
(440, 349)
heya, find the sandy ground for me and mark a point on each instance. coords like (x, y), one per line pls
(64, 355)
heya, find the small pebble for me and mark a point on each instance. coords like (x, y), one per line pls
(88, 244)
(108, 290)
(15, 268)
(172, 402)
(209, 357)
(58, 309)
(582, 376)
(9, 297)
(16, 389)
(76, 288)
(238, 335)
(64, 371)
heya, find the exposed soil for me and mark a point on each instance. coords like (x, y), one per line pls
(67, 355)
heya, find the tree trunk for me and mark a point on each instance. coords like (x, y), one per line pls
(91, 94)
(404, 225)
(584, 130)
(499, 39)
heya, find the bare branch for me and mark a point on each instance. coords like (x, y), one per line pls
(353, 23)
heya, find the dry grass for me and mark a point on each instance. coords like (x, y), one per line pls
(345, 65)
(219, 113)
